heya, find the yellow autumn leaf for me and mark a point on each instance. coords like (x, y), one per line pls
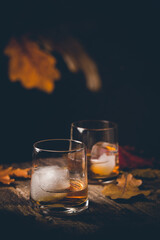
(30, 65)
(7, 173)
(125, 188)
(21, 172)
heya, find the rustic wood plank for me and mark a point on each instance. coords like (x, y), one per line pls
(103, 216)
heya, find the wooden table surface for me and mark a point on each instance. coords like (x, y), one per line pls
(137, 217)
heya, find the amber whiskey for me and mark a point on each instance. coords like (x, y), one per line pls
(98, 169)
(75, 195)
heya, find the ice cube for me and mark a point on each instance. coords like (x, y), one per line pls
(103, 158)
(104, 165)
(49, 183)
(102, 147)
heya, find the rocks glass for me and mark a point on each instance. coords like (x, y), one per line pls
(59, 183)
(101, 140)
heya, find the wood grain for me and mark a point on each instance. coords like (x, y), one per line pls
(138, 215)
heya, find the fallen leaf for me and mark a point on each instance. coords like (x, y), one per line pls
(146, 173)
(125, 188)
(7, 173)
(21, 172)
(128, 159)
(127, 180)
(6, 180)
(30, 65)
(4, 172)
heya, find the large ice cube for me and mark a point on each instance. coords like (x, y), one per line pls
(103, 158)
(49, 183)
(102, 147)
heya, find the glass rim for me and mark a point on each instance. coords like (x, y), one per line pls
(75, 125)
(60, 140)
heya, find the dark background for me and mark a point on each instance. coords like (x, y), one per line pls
(123, 40)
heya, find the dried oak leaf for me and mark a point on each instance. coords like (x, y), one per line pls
(21, 172)
(125, 188)
(129, 160)
(7, 173)
(146, 173)
(30, 65)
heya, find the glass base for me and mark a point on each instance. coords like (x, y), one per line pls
(103, 180)
(63, 211)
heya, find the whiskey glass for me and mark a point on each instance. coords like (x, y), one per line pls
(101, 140)
(59, 183)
